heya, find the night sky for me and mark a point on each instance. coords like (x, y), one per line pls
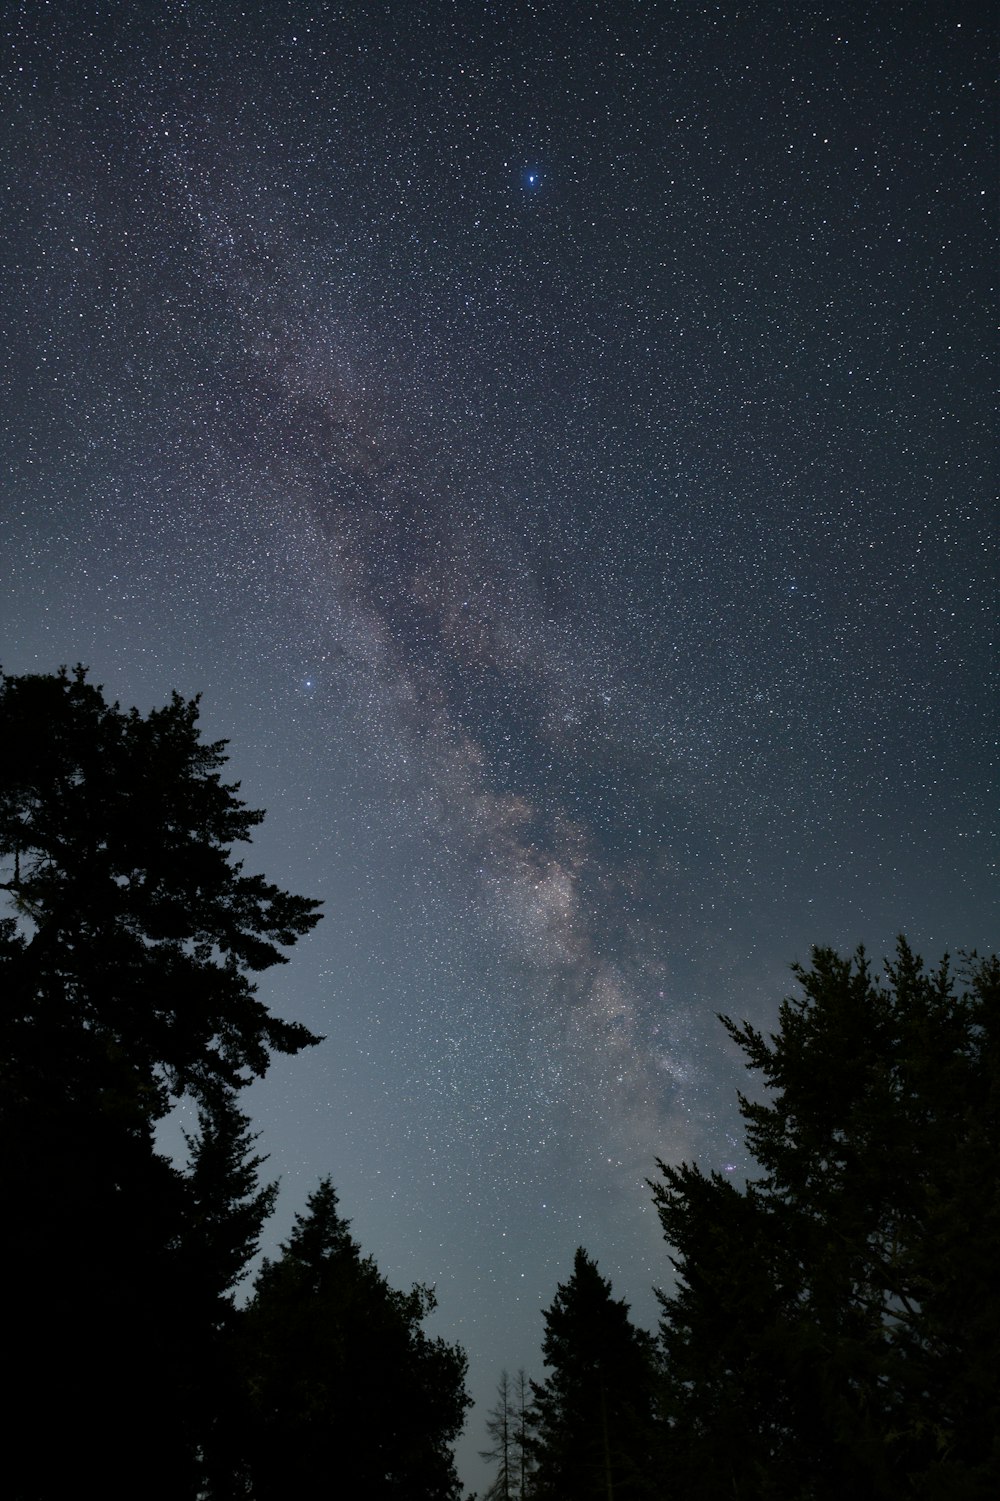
(554, 439)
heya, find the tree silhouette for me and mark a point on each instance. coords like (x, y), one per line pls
(225, 1205)
(501, 1426)
(126, 964)
(521, 1402)
(135, 933)
(593, 1417)
(834, 1327)
(507, 1426)
(346, 1393)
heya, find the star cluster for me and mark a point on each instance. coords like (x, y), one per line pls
(554, 440)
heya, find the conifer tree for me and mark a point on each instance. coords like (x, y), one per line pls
(127, 957)
(835, 1324)
(133, 935)
(346, 1392)
(592, 1418)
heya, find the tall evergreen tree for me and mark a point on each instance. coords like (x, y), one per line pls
(127, 959)
(135, 934)
(347, 1394)
(593, 1416)
(835, 1325)
(225, 1207)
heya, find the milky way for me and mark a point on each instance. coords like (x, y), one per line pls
(556, 446)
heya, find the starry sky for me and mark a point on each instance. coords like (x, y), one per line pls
(554, 439)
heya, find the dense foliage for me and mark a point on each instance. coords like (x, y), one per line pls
(836, 1324)
(592, 1418)
(340, 1380)
(127, 963)
(138, 933)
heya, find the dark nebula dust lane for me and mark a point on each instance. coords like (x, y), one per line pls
(555, 444)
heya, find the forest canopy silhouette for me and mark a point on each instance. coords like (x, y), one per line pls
(128, 960)
(831, 1328)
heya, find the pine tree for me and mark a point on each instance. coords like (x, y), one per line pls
(134, 936)
(834, 1327)
(593, 1417)
(224, 1211)
(346, 1392)
(225, 1202)
(126, 965)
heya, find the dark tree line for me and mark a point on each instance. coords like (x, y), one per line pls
(834, 1330)
(127, 963)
